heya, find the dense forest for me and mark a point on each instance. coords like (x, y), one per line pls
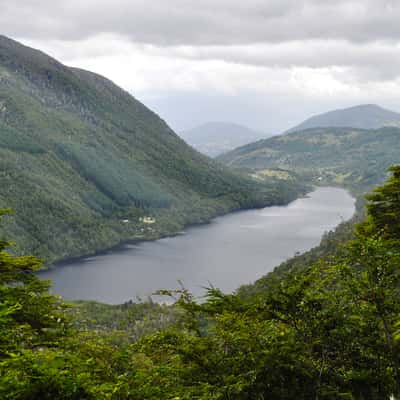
(328, 331)
(84, 165)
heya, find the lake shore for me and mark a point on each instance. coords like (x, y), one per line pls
(173, 233)
(232, 250)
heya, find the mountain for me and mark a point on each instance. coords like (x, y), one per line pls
(85, 166)
(367, 116)
(351, 157)
(214, 138)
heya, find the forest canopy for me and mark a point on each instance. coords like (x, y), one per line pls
(330, 331)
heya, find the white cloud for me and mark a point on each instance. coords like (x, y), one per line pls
(315, 68)
(330, 52)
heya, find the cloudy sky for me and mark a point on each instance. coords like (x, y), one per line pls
(267, 64)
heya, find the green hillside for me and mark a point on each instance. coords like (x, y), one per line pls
(83, 163)
(348, 157)
(364, 116)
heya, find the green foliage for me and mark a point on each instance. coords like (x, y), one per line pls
(29, 315)
(384, 208)
(350, 157)
(129, 321)
(12, 140)
(116, 178)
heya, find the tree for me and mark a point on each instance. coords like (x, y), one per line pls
(384, 209)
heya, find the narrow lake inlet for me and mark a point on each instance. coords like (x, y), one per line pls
(230, 251)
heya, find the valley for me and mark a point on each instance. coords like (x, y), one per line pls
(212, 254)
(275, 265)
(83, 164)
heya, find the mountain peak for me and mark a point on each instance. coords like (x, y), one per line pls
(363, 116)
(364, 106)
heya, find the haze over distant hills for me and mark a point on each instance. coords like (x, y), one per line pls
(214, 138)
(217, 138)
(365, 116)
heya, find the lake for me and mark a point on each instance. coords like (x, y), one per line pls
(230, 251)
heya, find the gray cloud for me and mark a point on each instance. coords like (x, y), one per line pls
(226, 59)
(375, 61)
(360, 35)
(204, 22)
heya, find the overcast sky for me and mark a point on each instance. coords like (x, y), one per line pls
(267, 64)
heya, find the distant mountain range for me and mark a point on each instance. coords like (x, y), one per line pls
(353, 146)
(214, 138)
(217, 138)
(85, 166)
(366, 116)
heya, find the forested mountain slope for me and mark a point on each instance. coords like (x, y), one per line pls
(365, 116)
(83, 163)
(350, 157)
